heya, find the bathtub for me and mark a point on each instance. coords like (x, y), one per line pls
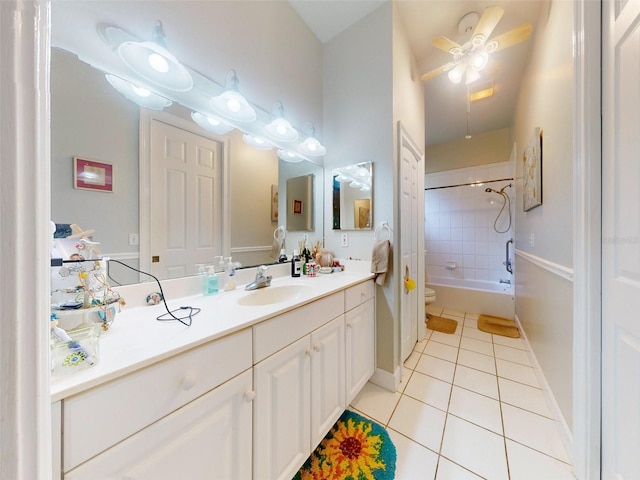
(474, 296)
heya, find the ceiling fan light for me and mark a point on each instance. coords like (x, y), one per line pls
(472, 76)
(479, 61)
(456, 73)
(478, 39)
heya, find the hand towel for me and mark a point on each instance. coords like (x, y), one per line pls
(380, 258)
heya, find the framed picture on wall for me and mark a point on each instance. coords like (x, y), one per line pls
(92, 175)
(297, 207)
(532, 172)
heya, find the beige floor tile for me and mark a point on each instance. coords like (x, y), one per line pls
(429, 390)
(453, 313)
(512, 354)
(478, 346)
(476, 381)
(475, 408)
(376, 402)
(523, 396)
(474, 333)
(441, 350)
(419, 346)
(534, 431)
(509, 342)
(420, 422)
(412, 360)
(436, 367)
(406, 375)
(447, 470)
(446, 338)
(433, 310)
(478, 361)
(528, 464)
(413, 460)
(516, 372)
(475, 448)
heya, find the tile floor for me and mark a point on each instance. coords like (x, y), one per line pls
(469, 406)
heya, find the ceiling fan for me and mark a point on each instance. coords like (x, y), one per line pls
(471, 57)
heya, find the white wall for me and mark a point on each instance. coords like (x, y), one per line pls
(543, 300)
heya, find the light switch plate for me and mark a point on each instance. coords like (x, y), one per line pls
(134, 239)
(344, 240)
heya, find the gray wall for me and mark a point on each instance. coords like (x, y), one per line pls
(543, 299)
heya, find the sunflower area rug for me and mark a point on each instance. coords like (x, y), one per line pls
(355, 448)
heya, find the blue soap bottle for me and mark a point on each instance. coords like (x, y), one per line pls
(211, 281)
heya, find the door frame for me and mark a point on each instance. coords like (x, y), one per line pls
(587, 242)
(146, 118)
(405, 141)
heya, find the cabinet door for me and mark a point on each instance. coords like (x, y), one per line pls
(327, 378)
(207, 438)
(360, 342)
(281, 410)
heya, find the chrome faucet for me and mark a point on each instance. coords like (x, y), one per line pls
(262, 279)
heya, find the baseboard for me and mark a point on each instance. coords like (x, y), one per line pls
(387, 380)
(565, 431)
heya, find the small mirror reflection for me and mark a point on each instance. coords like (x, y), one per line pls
(352, 197)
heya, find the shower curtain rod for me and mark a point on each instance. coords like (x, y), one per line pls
(468, 184)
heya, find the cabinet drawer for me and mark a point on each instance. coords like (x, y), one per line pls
(97, 419)
(354, 296)
(275, 334)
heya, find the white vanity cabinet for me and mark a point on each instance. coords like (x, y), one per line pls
(299, 387)
(189, 414)
(360, 337)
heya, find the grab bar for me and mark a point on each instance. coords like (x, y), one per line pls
(507, 261)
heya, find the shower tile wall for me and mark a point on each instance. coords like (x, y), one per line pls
(460, 241)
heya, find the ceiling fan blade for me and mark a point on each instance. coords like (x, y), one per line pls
(434, 73)
(445, 44)
(490, 18)
(517, 35)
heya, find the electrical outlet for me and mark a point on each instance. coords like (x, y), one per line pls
(306, 238)
(134, 239)
(344, 240)
(532, 239)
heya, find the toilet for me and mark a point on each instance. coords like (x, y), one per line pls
(429, 296)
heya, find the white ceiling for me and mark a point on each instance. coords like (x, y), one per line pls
(445, 102)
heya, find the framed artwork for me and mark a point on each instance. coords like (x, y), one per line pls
(297, 207)
(92, 175)
(274, 203)
(532, 172)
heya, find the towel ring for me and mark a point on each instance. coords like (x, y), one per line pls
(383, 228)
(279, 233)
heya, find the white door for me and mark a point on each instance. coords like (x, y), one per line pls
(281, 441)
(186, 200)
(327, 378)
(409, 224)
(207, 438)
(621, 241)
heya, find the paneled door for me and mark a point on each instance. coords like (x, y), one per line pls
(186, 200)
(621, 241)
(411, 226)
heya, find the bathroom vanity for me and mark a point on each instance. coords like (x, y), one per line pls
(247, 391)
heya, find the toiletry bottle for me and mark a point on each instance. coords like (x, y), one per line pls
(295, 264)
(230, 271)
(210, 281)
(219, 264)
(283, 257)
(202, 273)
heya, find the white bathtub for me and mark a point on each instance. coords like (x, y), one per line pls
(474, 296)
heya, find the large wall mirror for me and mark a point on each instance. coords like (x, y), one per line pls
(92, 121)
(353, 197)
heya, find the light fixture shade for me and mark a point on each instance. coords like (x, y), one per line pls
(457, 72)
(479, 61)
(281, 130)
(140, 95)
(256, 142)
(231, 104)
(289, 156)
(156, 65)
(312, 147)
(211, 123)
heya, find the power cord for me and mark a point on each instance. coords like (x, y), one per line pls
(165, 317)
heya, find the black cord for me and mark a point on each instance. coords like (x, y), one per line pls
(169, 316)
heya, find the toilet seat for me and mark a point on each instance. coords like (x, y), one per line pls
(428, 293)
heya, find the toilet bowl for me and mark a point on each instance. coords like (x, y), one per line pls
(429, 296)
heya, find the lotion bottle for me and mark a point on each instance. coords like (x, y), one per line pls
(295, 264)
(229, 275)
(211, 281)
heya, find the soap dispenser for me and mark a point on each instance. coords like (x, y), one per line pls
(229, 275)
(295, 264)
(219, 264)
(210, 281)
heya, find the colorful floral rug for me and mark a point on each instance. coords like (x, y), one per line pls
(355, 448)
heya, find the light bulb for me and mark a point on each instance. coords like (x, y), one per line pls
(213, 121)
(158, 63)
(233, 105)
(141, 92)
(480, 61)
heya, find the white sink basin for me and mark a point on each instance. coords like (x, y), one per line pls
(271, 295)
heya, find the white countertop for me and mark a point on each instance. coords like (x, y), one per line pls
(136, 339)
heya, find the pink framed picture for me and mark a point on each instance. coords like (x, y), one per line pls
(92, 175)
